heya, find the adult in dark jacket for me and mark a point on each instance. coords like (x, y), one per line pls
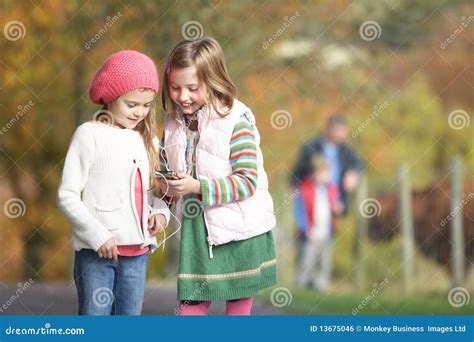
(346, 165)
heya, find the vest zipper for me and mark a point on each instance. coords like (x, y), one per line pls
(209, 239)
(210, 248)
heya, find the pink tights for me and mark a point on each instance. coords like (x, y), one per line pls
(240, 307)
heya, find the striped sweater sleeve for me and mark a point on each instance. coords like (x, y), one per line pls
(242, 183)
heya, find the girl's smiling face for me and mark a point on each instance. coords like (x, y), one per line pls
(132, 107)
(185, 91)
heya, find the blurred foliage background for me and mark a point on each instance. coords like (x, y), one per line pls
(306, 58)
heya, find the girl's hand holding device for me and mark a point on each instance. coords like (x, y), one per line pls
(167, 174)
(178, 184)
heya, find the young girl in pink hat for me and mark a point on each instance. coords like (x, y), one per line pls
(107, 185)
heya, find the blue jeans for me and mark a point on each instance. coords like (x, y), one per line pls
(108, 288)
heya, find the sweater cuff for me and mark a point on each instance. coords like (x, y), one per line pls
(161, 211)
(101, 238)
(205, 192)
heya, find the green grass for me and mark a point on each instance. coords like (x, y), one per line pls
(306, 302)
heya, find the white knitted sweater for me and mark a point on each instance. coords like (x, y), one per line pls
(97, 188)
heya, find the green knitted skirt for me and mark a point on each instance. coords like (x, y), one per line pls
(238, 269)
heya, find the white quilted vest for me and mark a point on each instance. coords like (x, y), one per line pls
(227, 222)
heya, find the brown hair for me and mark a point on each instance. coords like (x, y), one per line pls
(320, 163)
(206, 55)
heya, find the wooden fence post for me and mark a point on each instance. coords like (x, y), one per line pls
(360, 232)
(406, 222)
(456, 213)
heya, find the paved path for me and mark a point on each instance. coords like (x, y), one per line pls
(61, 299)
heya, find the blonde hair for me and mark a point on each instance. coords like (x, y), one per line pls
(206, 55)
(148, 130)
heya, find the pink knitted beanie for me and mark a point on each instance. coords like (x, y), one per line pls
(123, 71)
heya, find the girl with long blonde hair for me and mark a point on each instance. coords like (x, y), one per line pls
(221, 190)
